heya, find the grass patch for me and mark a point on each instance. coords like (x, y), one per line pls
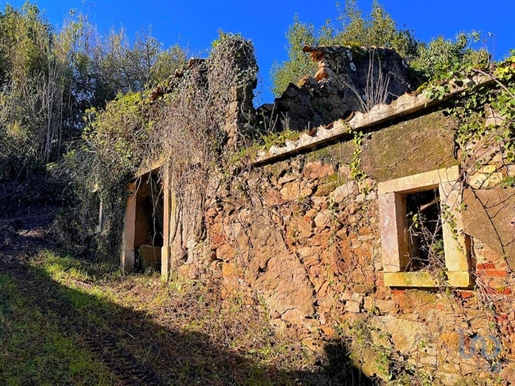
(94, 326)
(33, 351)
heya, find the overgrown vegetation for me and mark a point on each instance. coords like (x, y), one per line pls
(351, 28)
(193, 123)
(65, 320)
(49, 78)
(69, 91)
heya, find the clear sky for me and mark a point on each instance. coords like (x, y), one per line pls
(194, 23)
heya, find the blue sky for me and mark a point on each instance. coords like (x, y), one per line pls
(194, 23)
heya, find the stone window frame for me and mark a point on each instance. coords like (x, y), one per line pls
(394, 229)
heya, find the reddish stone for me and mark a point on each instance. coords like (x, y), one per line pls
(273, 197)
(365, 231)
(323, 289)
(314, 271)
(328, 331)
(493, 273)
(311, 260)
(382, 292)
(501, 317)
(218, 239)
(322, 239)
(290, 191)
(302, 227)
(317, 170)
(501, 290)
(225, 252)
(311, 213)
(229, 270)
(465, 294)
(211, 213)
(488, 265)
(353, 208)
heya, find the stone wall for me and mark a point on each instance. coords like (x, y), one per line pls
(348, 80)
(300, 227)
(304, 235)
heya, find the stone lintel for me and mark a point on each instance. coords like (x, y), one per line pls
(419, 182)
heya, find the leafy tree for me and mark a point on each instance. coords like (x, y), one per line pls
(125, 67)
(167, 63)
(352, 29)
(440, 56)
(378, 29)
(33, 88)
(298, 65)
(49, 78)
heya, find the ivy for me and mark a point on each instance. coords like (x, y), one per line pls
(480, 102)
(357, 172)
(119, 132)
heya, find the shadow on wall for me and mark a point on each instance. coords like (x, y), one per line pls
(133, 349)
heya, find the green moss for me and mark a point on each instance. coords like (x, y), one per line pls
(411, 147)
(335, 177)
(328, 184)
(278, 168)
(336, 154)
(244, 155)
(279, 138)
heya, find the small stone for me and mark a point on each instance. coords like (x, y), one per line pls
(371, 196)
(314, 345)
(344, 191)
(352, 306)
(290, 191)
(317, 170)
(357, 297)
(360, 198)
(346, 295)
(323, 219)
(286, 178)
(353, 208)
(386, 306)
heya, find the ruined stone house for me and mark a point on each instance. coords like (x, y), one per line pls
(370, 216)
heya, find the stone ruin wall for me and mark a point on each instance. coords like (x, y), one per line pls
(300, 232)
(347, 80)
(306, 237)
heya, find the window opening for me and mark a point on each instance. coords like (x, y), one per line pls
(425, 234)
(422, 235)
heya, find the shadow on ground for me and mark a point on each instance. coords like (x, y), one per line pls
(132, 349)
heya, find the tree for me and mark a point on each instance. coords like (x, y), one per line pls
(49, 78)
(298, 65)
(440, 56)
(34, 86)
(377, 29)
(167, 63)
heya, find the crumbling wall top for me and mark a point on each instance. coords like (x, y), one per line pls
(347, 80)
